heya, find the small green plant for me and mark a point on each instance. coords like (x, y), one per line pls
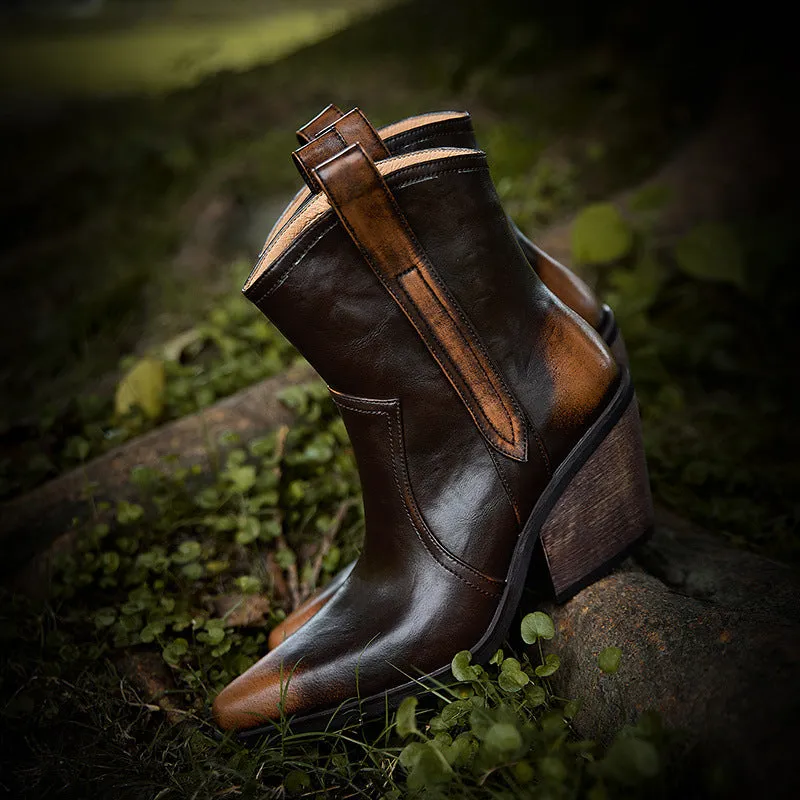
(600, 235)
(502, 729)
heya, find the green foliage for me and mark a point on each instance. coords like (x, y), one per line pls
(634, 756)
(151, 575)
(503, 727)
(297, 782)
(128, 513)
(651, 197)
(493, 730)
(512, 678)
(537, 626)
(709, 384)
(142, 387)
(407, 717)
(232, 349)
(247, 584)
(711, 252)
(462, 669)
(175, 650)
(600, 235)
(609, 659)
(693, 353)
(535, 194)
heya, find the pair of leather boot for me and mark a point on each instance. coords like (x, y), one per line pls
(487, 398)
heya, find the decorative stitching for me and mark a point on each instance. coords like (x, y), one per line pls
(309, 224)
(542, 450)
(531, 426)
(453, 166)
(422, 140)
(507, 486)
(439, 355)
(443, 550)
(270, 239)
(469, 345)
(390, 288)
(410, 182)
(452, 122)
(286, 274)
(540, 443)
(407, 483)
(403, 171)
(478, 342)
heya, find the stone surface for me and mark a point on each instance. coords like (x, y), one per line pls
(28, 524)
(710, 639)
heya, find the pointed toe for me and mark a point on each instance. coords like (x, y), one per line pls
(255, 698)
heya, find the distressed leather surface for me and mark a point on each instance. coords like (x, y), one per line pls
(316, 125)
(443, 507)
(367, 209)
(349, 128)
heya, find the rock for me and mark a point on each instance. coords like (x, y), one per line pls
(28, 524)
(710, 640)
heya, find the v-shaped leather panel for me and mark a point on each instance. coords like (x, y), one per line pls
(376, 433)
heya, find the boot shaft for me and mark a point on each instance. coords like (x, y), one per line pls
(317, 286)
(331, 130)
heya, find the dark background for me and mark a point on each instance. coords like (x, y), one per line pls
(132, 207)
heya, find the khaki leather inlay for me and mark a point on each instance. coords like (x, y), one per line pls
(410, 123)
(312, 128)
(456, 344)
(367, 209)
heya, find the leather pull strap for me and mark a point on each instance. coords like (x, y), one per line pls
(351, 128)
(367, 208)
(312, 128)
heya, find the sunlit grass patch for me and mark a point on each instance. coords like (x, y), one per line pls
(162, 54)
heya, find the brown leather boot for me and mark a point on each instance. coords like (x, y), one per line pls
(327, 134)
(484, 415)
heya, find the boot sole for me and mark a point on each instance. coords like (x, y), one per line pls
(610, 511)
